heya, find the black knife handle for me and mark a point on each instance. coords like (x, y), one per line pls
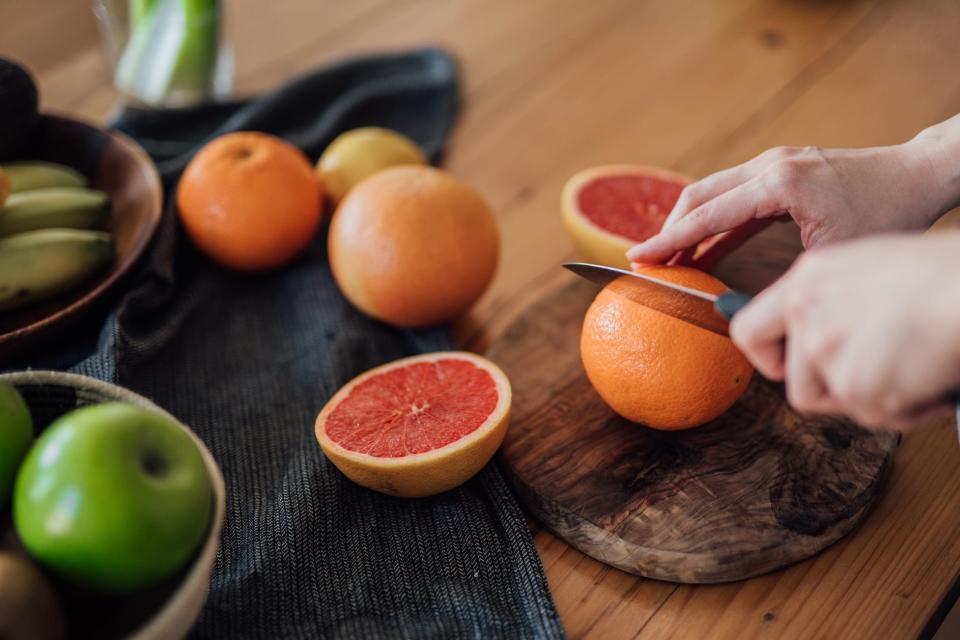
(728, 304)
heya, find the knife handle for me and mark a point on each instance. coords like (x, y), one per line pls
(728, 304)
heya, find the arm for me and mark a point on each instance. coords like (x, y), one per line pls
(832, 194)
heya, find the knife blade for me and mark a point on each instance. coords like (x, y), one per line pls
(705, 310)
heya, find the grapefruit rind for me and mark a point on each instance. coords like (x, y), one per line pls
(431, 472)
(594, 243)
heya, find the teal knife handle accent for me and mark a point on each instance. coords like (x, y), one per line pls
(728, 304)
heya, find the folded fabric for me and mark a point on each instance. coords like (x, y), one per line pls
(248, 360)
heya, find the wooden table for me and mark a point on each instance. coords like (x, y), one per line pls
(552, 86)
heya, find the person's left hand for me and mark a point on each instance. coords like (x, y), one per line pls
(871, 328)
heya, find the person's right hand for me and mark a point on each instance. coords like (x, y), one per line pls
(832, 194)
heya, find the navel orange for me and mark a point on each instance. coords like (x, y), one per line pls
(657, 370)
(413, 246)
(250, 201)
(417, 426)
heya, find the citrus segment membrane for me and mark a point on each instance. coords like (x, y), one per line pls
(630, 205)
(413, 409)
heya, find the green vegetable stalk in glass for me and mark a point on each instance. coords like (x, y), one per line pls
(171, 55)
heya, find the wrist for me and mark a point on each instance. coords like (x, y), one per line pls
(935, 152)
(942, 254)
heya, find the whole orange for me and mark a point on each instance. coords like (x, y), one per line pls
(413, 246)
(653, 368)
(250, 201)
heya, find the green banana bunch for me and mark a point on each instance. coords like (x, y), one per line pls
(36, 265)
(46, 245)
(30, 175)
(70, 207)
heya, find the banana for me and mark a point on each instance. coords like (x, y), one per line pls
(4, 187)
(70, 207)
(41, 264)
(26, 176)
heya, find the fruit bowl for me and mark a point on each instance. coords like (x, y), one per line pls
(117, 165)
(167, 610)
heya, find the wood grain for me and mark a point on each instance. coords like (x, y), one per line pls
(553, 86)
(758, 488)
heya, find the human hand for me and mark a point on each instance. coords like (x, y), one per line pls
(832, 194)
(870, 329)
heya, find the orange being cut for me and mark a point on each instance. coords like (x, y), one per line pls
(608, 209)
(653, 368)
(417, 426)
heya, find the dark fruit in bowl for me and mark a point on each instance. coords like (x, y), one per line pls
(18, 108)
(29, 609)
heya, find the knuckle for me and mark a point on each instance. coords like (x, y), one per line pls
(846, 392)
(785, 176)
(779, 153)
(821, 342)
(690, 192)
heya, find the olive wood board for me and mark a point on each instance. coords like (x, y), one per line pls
(759, 488)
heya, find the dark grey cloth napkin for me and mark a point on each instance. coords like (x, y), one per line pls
(248, 361)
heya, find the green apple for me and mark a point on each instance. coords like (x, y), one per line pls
(113, 498)
(16, 434)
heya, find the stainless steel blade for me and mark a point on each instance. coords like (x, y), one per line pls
(683, 303)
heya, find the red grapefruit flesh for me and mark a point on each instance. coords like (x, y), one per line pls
(417, 426)
(632, 206)
(610, 208)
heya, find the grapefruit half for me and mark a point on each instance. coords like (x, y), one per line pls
(417, 426)
(610, 208)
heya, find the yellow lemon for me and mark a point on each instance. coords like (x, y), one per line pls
(359, 153)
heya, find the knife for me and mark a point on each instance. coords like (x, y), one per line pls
(705, 310)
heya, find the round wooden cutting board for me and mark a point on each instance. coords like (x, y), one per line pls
(759, 488)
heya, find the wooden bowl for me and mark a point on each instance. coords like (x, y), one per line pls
(118, 166)
(165, 611)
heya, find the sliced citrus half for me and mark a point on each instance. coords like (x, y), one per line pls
(609, 209)
(417, 426)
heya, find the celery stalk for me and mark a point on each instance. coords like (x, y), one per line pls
(139, 10)
(172, 51)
